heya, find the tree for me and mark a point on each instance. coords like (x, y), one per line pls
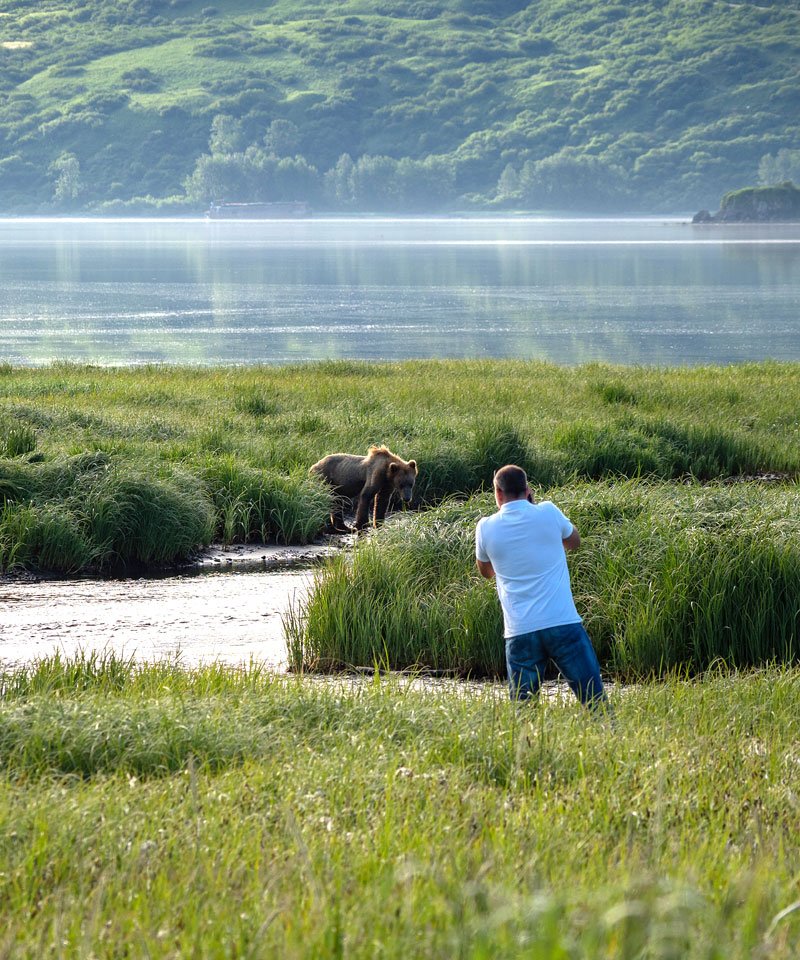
(780, 168)
(508, 185)
(252, 176)
(282, 138)
(373, 182)
(424, 185)
(218, 177)
(565, 181)
(67, 173)
(339, 186)
(226, 136)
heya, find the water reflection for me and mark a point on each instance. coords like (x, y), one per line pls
(569, 291)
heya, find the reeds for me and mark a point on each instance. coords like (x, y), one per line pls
(670, 577)
(257, 504)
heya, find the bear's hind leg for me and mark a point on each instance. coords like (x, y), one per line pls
(337, 522)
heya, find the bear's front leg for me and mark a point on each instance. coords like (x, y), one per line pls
(364, 503)
(382, 499)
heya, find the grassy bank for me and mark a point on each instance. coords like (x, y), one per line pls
(155, 812)
(99, 465)
(669, 577)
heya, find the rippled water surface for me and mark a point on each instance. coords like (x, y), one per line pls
(227, 617)
(191, 291)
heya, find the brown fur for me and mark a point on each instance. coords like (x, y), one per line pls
(372, 480)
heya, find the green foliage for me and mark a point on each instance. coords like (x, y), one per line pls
(783, 167)
(635, 446)
(780, 202)
(139, 518)
(575, 106)
(66, 171)
(16, 439)
(68, 514)
(44, 536)
(255, 504)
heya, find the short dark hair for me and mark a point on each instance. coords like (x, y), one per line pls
(511, 480)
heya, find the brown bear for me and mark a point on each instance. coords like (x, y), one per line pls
(372, 479)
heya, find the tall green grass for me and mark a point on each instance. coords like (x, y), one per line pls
(97, 510)
(404, 598)
(255, 504)
(669, 577)
(242, 440)
(69, 514)
(153, 811)
(16, 439)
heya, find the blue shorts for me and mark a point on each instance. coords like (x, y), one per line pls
(569, 647)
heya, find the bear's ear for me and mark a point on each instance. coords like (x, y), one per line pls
(413, 465)
(393, 468)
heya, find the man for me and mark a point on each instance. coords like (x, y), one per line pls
(522, 547)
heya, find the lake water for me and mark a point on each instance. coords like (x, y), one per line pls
(210, 292)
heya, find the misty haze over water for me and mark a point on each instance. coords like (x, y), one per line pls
(569, 291)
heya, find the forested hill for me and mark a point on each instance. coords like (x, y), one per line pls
(395, 105)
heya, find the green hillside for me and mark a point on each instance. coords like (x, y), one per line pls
(393, 104)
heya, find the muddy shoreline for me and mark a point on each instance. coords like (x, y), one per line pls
(217, 556)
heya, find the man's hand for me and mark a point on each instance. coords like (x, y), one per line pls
(486, 569)
(573, 541)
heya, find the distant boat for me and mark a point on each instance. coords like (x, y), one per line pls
(285, 210)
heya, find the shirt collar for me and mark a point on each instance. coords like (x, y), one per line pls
(514, 504)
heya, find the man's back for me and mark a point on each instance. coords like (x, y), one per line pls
(524, 543)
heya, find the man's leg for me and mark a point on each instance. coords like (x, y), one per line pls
(569, 645)
(526, 660)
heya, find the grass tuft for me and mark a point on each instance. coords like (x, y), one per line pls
(257, 504)
(16, 439)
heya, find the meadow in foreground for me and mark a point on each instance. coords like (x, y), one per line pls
(106, 466)
(151, 811)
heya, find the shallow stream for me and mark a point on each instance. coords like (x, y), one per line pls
(228, 607)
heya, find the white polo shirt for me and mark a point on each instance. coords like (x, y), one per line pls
(523, 543)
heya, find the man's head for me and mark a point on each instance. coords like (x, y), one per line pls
(510, 483)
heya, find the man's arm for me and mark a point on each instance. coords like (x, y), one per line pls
(486, 569)
(573, 541)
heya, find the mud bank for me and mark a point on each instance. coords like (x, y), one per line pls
(227, 606)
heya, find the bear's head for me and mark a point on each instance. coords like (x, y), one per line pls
(403, 474)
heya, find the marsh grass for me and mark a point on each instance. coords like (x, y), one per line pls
(75, 512)
(403, 599)
(659, 449)
(254, 504)
(247, 436)
(153, 811)
(669, 577)
(16, 439)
